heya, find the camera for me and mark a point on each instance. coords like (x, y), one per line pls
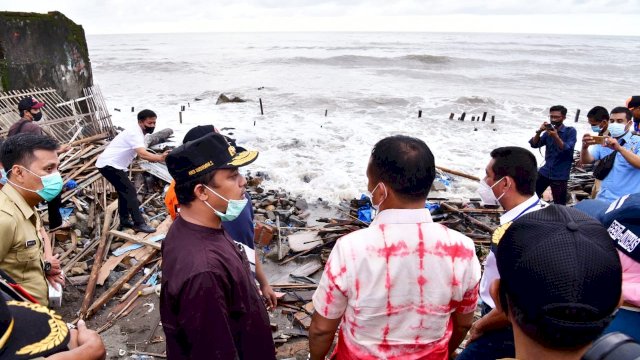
(549, 127)
(612, 346)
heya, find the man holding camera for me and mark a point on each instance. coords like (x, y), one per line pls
(559, 141)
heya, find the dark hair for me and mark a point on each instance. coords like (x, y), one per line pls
(405, 164)
(598, 113)
(562, 109)
(517, 163)
(145, 114)
(545, 332)
(620, 110)
(184, 190)
(19, 149)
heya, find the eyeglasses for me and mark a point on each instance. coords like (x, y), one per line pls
(555, 117)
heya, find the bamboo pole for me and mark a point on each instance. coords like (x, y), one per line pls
(97, 264)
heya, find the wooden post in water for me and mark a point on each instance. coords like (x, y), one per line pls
(182, 108)
(462, 116)
(419, 113)
(484, 116)
(132, 109)
(473, 118)
(493, 119)
(451, 116)
(180, 115)
(325, 112)
(261, 109)
(577, 115)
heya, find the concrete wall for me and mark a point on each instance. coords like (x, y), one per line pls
(43, 50)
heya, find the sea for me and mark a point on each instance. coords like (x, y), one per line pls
(327, 98)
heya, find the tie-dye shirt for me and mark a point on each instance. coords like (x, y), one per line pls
(395, 285)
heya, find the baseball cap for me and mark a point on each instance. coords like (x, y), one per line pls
(206, 154)
(30, 330)
(198, 132)
(562, 276)
(29, 102)
(633, 102)
(621, 218)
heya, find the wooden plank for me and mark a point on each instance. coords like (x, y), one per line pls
(135, 239)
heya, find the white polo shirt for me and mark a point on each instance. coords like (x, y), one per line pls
(396, 283)
(491, 266)
(122, 149)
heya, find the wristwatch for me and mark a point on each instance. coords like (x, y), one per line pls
(47, 267)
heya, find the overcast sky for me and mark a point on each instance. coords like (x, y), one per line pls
(601, 17)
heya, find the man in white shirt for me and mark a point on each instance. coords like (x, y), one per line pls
(114, 162)
(511, 183)
(405, 287)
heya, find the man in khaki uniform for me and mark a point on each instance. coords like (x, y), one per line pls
(31, 163)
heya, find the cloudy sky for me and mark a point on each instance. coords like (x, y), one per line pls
(601, 17)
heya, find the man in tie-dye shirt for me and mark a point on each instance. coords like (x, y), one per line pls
(405, 287)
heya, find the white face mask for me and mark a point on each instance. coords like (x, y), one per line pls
(486, 193)
(376, 207)
(617, 130)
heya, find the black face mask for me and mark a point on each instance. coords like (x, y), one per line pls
(149, 130)
(37, 117)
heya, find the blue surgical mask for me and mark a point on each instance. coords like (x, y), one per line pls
(595, 128)
(617, 130)
(51, 185)
(3, 180)
(234, 208)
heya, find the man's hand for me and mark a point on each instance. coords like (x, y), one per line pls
(587, 140)
(476, 331)
(56, 267)
(543, 127)
(84, 344)
(269, 296)
(612, 143)
(164, 155)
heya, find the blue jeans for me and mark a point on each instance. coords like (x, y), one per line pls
(496, 344)
(626, 322)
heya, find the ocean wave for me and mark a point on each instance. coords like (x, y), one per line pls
(412, 60)
(149, 66)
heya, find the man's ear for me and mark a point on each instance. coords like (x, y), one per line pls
(494, 290)
(200, 192)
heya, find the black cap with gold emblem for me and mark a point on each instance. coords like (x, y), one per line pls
(206, 154)
(29, 331)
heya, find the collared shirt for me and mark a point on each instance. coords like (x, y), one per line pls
(630, 279)
(557, 162)
(209, 303)
(25, 127)
(21, 248)
(122, 149)
(491, 266)
(396, 283)
(623, 178)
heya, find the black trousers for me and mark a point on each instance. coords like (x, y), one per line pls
(558, 189)
(128, 204)
(55, 219)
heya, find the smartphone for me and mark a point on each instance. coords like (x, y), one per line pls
(598, 139)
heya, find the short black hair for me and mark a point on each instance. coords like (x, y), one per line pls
(184, 190)
(562, 109)
(598, 113)
(622, 109)
(19, 149)
(517, 163)
(404, 163)
(145, 114)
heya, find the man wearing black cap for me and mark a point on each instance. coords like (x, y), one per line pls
(209, 304)
(560, 282)
(241, 229)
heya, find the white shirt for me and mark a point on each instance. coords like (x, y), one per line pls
(397, 283)
(491, 266)
(122, 150)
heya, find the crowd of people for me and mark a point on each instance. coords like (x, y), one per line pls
(556, 279)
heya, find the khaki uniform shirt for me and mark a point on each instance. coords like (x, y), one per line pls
(21, 248)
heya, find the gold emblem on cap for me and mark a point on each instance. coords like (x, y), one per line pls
(58, 330)
(232, 151)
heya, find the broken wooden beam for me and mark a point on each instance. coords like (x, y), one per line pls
(135, 239)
